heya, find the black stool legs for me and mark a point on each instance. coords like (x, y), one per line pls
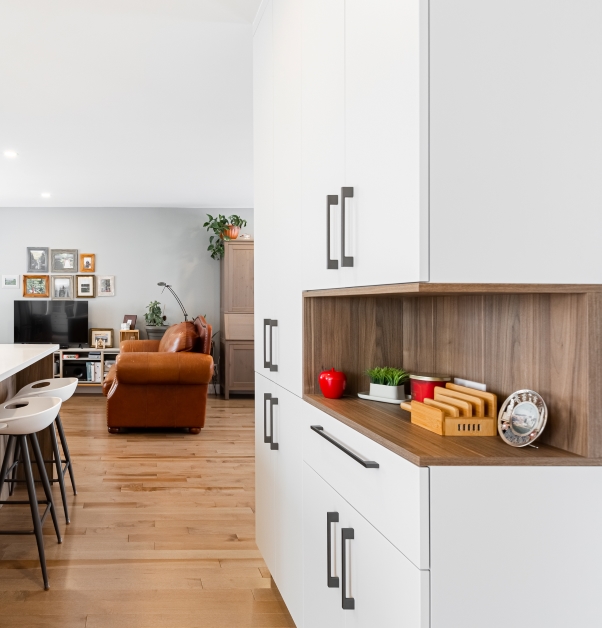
(68, 464)
(59, 470)
(33, 502)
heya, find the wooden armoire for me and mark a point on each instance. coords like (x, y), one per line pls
(236, 345)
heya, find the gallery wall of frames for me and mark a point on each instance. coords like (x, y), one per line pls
(60, 274)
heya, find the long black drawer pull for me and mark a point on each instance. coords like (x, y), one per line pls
(331, 199)
(331, 517)
(266, 362)
(273, 402)
(266, 438)
(347, 534)
(345, 259)
(273, 367)
(369, 464)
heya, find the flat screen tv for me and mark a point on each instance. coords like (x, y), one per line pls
(55, 322)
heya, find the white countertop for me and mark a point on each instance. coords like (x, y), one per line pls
(14, 358)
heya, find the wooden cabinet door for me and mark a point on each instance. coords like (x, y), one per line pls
(323, 144)
(265, 465)
(321, 602)
(288, 524)
(386, 141)
(240, 375)
(238, 278)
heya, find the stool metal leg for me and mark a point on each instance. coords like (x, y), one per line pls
(59, 470)
(11, 490)
(5, 463)
(33, 504)
(59, 425)
(46, 484)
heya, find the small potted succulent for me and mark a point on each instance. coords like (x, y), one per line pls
(387, 382)
(224, 229)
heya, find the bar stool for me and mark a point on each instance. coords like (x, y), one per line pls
(63, 388)
(22, 419)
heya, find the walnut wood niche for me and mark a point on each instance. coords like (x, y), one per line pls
(546, 338)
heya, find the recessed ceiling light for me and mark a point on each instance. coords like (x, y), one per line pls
(11, 154)
(45, 194)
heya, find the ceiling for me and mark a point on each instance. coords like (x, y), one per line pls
(126, 103)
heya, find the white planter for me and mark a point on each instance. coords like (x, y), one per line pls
(387, 392)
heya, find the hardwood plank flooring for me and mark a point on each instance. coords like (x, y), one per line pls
(162, 531)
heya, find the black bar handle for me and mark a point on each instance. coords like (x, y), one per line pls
(369, 464)
(273, 402)
(345, 260)
(266, 362)
(266, 438)
(273, 367)
(331, 199)
(347, 534)
(331, 517)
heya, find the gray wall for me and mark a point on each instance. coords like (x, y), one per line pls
(140, 246)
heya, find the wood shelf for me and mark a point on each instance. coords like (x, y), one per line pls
(390, 426)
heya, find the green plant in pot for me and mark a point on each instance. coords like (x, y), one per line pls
(224, 229)
(154, 316)
(387, 382)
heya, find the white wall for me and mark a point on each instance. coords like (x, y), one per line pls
(139, 246)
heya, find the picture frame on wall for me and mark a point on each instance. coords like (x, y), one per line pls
(105, 286)
(64, 260)
(36, 286)
(85, 287)
(11, 281)
(37, 259)
(87, 262)
(61, 287)
(101, 334)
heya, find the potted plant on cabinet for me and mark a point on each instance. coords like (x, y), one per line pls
(387, 382)
(224, 229)
(155, 320)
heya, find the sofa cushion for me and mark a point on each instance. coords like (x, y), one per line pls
(203, 342)
(178, 338)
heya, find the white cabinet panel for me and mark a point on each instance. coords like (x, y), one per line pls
(265, 465)
(394, 497)
(386, 140)
(516, 546)
(388, 591)
(323, 145)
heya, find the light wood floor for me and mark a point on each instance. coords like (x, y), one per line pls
(162, 532)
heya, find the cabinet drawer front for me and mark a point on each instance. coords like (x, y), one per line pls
(238, 327)
(393, 496)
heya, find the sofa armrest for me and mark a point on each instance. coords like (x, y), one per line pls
(139, 346)
(181, 368)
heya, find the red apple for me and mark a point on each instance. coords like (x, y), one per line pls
(332, 383)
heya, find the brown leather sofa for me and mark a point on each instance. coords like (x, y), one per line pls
(161, 383)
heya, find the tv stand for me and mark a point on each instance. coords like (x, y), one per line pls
(107, 356)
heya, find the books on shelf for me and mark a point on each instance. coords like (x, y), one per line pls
(93, 372)
(70, 356)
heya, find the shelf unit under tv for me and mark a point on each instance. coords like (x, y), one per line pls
(105, 356)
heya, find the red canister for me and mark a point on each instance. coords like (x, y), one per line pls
(423, 385)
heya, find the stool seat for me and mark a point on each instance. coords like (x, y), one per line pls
(62, 387)
(28, 415)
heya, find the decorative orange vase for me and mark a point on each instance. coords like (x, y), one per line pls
(232, 232)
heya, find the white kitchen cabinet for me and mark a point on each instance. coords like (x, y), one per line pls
(374, 584)
(279, 517)
(365, 129)
(278, 300)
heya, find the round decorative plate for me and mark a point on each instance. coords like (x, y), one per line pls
(522, 418)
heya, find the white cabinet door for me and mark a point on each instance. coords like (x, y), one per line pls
(263, 140)
(321, 588)
(386, 141)
(376, 586)
(288, 501)
(265, 465)
(323, 147)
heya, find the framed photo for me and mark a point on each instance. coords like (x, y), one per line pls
(37, 259)
(61, 287)
(85, 287)
(36, 286)
(10, 281)
(64, 260)
(130, 319)
(101, 336)
(106, 286)
(87, 262)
